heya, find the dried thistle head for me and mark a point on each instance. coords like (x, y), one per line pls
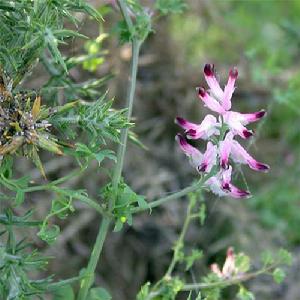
(24, 126)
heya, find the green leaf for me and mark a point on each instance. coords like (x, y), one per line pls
(267, 258)
(190, 260)
(244, 294)
(101, 155)
(99, 294)
(242, 262)
(118, 225)
(142, 202)
(170, 6)
(278, 275)
(285, 257)
(144, 292)
(64, 293)
(20, 197)
(49, 233)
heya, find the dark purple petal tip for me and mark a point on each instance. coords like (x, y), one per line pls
(180, 121)
(209, 69)
(202, 167)
(262, 167)
(224, 164)
(233, 73)
(226, 187)
(260, 114)
(191, 132)
(244, 194)
(201, 91)
(247, 133)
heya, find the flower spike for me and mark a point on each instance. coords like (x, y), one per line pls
(219, 148)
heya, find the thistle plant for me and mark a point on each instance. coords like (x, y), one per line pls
(83, 125)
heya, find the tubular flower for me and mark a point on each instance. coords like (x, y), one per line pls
(205, 130)
(222, 148)
(221, 185)
(219, 101)
(229, 268)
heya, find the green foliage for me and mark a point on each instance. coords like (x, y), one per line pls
(285, 257)
(98, 119)
(281, 257)
(190, 259)
(170, 288)
(212, 293)
(242, 262)
(144, 292)
(94, 49)
(141, 25)
(278, 275)
(166, 7)
(125, 200)
(64, 293)
(28, 28)
(16, 260)
(99, 294)
(61, 207)
(93, 152)
(244, 294)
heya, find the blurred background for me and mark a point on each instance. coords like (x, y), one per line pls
(260, 38)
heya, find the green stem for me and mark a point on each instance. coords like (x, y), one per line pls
(55, 285)
(130, 98)
(90, 270)
(234, 280)
(171, 197)
(50, 187)
(88, 280)
(180, 241)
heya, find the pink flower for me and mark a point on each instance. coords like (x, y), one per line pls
(209, 158)
(221, 185)
(202, 162)
(220, 148)
(220, 101)
(236, 122)
(230, 147)
(205, 130)
(194, 155)
(229, 269)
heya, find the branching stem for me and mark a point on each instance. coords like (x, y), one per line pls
(179, 243)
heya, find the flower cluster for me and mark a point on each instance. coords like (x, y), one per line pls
(220, 133)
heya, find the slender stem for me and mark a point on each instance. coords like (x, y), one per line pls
(55, 285)
(90, 270)
(126, 16)
(103, 230)
(171, 197)
(50, 187)
(180, 241)
(124, 134)
(227, 282)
